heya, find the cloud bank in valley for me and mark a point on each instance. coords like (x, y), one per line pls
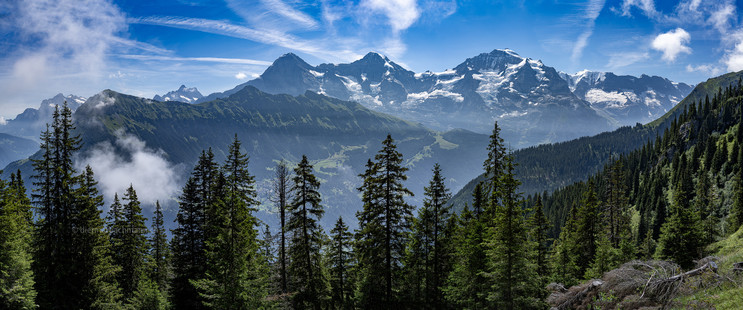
(130, 161)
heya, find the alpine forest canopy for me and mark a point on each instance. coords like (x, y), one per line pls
(661, 209)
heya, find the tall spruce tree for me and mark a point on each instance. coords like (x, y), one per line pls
(705, 210)
(430, 244)
(236, 274)
(494, 165)
(133, 245)
(369, 237)
(515, 282)
(94, 246)
(587, 229)
(308, 281)
(16, 278)
(340, 259)
(159, 251)
(384, 224)
(189, 238)
(467, 283)
(539, 227)
(564, 252)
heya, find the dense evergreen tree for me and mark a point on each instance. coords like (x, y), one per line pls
(16, 278)
(369, 238)
(539, 226)
(429, 248)
(680, 239)
(515, 282)
(236, 274)
(703, 206)
(102, 290)
(159, 251)
(309, 285)
(384, 224)
(587, 229)
(467, 284)
(132, 247)
(189, 238)
(564, 253)
(494, 164)
(340, 259)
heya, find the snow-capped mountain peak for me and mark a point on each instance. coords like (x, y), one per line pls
(183, 94)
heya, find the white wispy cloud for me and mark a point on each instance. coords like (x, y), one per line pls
(283, 9)
(241, 76)
(620, 60)
(646, 6)
(262, 36)
(709, 69)
(672, 44)
(241, 61)
(592, 12)
(721, 17)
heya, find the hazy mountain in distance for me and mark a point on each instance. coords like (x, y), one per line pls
(31, 122)
(627, 99)
(13, 148)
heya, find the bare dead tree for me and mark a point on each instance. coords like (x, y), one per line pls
(280, 198)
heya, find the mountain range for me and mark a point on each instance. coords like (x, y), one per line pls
(338, 115)
(533, 103)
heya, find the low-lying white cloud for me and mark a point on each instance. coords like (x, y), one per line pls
(672, 44)
(130, 161)
(3, 121)
(241, 76)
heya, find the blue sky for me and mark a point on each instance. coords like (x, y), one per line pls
(150, 47)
